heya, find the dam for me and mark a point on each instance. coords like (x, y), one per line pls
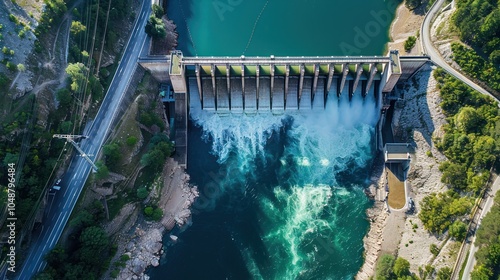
(249, 85)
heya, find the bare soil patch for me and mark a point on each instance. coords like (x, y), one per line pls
(396, 197)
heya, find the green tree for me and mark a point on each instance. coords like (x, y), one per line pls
(131, 141)
(112, 153)
(458, 230)
(155, 27)
(76, 72)
(481, 273)
(469, 120)
(438, 211)
(94, 242)
(21, 67)
(157, 214)
(158, 11)
(434, 249)
(77, 27)
(66, 127)
(102, 171)
(64, 97)
(148, 211)
(384, 269)
(142, 193)
(401, 267)
(410, 43)
(444, 273)
(454, 175)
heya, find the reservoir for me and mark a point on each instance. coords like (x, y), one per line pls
(281, 196)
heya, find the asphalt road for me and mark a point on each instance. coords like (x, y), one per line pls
(471, 260)
(436, 58)
(61, 204)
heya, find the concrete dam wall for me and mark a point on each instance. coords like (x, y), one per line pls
(278, 84)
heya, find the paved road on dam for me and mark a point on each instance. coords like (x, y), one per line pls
(436, 57)
(61, 204)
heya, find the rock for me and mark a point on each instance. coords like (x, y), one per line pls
(173, 238)
(138, 266)
(155, 262)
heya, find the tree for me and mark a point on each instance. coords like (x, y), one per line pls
(458, 230)
(21, 67)
(158, 11)
(142, 193)
(11, 66)
(401, 267)
(157, 214)
(66, 127)
(481, 273)
(444, 273)
(495, 57)
(148, 211)
(112, 153)
(410, 43)
(77, 27)
(94, 242)
(155, 27)
(64, 97)
(76, 73)
(469, 120)
(384, 268)
(438, 211)
(131, 141)
(454, 175)
(102, 171)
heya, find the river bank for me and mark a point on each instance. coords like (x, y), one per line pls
(417, 119)
(142, 242)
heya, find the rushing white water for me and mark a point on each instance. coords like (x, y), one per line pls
(302, 218)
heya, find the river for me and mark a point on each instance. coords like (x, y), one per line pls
(282, 197)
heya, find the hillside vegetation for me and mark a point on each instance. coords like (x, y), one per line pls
(478, 23)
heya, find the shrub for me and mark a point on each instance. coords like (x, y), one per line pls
(131, 141)
(142, 193)
(384, 268)
(458, 230)
(434, 249)
(410, 43)
(148, 211)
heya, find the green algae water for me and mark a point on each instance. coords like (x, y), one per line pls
(282, 27)
(281, 197)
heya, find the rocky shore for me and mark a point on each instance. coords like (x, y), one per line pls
(417, 119)
(143, 245)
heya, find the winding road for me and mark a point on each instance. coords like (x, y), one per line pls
(437, 59)
(61, 204)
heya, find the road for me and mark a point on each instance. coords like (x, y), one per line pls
(61, 204)
(471, 261)
(436, 58)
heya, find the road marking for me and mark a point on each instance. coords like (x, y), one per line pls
(65, 204)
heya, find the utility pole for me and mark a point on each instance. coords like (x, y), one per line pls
(70, 138)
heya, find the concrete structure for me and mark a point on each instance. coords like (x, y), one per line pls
(275, 84)
(253, 84)
(398, 153)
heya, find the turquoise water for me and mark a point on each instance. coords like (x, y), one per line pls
(281, 197)
(282, 27)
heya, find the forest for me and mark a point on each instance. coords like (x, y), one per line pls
(478, 23)
(471, 144)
